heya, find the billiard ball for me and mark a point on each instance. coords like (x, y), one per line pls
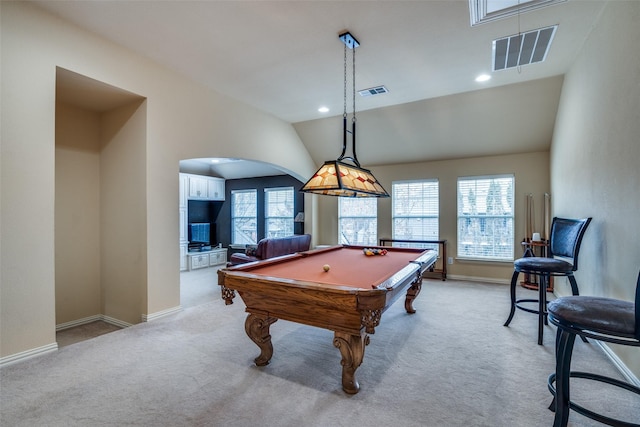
(326, 267)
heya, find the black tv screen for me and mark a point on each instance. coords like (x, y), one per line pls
(200, 232)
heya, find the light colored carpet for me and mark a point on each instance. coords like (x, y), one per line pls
(84, 332)
(450, 364)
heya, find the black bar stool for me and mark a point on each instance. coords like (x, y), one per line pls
(565, 240)
(603, 319)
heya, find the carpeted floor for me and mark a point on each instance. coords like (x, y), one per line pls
(450, 364)
(196, 287)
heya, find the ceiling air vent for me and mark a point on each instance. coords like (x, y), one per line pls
(522, 49)
(378, 90)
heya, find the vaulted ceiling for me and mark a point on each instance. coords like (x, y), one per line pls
(284, 57)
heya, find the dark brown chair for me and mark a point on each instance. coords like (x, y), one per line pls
(602, 319)
(565, 240)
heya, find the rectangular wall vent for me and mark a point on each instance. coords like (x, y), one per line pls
(378, 90)
(522, 49)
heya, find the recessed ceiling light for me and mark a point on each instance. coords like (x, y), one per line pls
(219, 160)
(483, 78)
(323, 109)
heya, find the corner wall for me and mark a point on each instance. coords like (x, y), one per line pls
(183, 120)
(594, 158)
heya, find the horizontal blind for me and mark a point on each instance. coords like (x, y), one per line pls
(416, 211)
(278, 211)
(357, 221)
(486, 217)
(244, 224)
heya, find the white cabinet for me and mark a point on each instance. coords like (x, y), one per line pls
(211, 258)
(182, 208)
(215, 188)
(205, 187)
(183, 257)
(199, 260)
(183, 190)
(198, 187)
(218, 256)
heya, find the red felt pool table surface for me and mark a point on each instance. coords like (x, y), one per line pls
(349, 266)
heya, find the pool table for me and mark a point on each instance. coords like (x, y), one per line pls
(348, 298)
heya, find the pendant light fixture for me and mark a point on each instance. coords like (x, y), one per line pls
(335, 177)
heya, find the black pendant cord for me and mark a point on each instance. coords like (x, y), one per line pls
(354, 158)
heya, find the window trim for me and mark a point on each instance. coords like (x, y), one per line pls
(233, 217)
(462, 257)
(437, 216)
(284, 218)
(374, 217)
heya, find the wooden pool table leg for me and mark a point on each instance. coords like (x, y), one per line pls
(257, 328)
(412, 294)
(352, 350)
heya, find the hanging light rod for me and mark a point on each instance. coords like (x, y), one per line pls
(335, 177)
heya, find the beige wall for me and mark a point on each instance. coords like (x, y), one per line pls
(77, 214)
(123, 247)
(595, 157)
(183, 120)
(531, 173)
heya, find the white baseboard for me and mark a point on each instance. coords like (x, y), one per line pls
(29, 354)
(477, 279)
(622, 368)
(90, 319)
(115, 322)
(159, 314)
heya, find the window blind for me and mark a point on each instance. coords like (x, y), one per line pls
(486, 217)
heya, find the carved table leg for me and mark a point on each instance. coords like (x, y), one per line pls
(227, 295)
(352, 350)
(412, 293)
(257, 328)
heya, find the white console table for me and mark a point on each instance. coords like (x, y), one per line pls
(215, 256)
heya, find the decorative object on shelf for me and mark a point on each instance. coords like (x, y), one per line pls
(335, 177)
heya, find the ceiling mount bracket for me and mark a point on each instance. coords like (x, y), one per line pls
(349, 40)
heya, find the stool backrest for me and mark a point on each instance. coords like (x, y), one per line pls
(566, 238)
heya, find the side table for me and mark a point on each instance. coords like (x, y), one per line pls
(540, 249)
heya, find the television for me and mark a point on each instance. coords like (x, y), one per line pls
(200, 233)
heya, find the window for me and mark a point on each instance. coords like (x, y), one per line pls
(358, 221)
(485, 217)
(244, 225)
(416, 212)
(278, 212)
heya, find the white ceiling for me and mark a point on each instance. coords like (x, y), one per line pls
(284, 57)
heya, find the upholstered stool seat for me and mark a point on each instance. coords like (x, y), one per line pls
(603, 319)
(600, 315)
(543, 265)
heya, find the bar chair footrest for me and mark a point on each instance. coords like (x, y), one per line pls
(586, 412)
(527, 309)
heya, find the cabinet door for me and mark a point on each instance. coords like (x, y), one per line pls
(215, 189)
(183, 226)
(184, 183)
(197, 187)
(218, 257)
(183, 257)
(199, 261)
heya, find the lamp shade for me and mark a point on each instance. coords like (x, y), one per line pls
(336, 178)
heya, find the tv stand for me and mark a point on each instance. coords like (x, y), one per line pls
(204, 259)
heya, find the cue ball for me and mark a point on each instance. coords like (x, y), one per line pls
(326, 267)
